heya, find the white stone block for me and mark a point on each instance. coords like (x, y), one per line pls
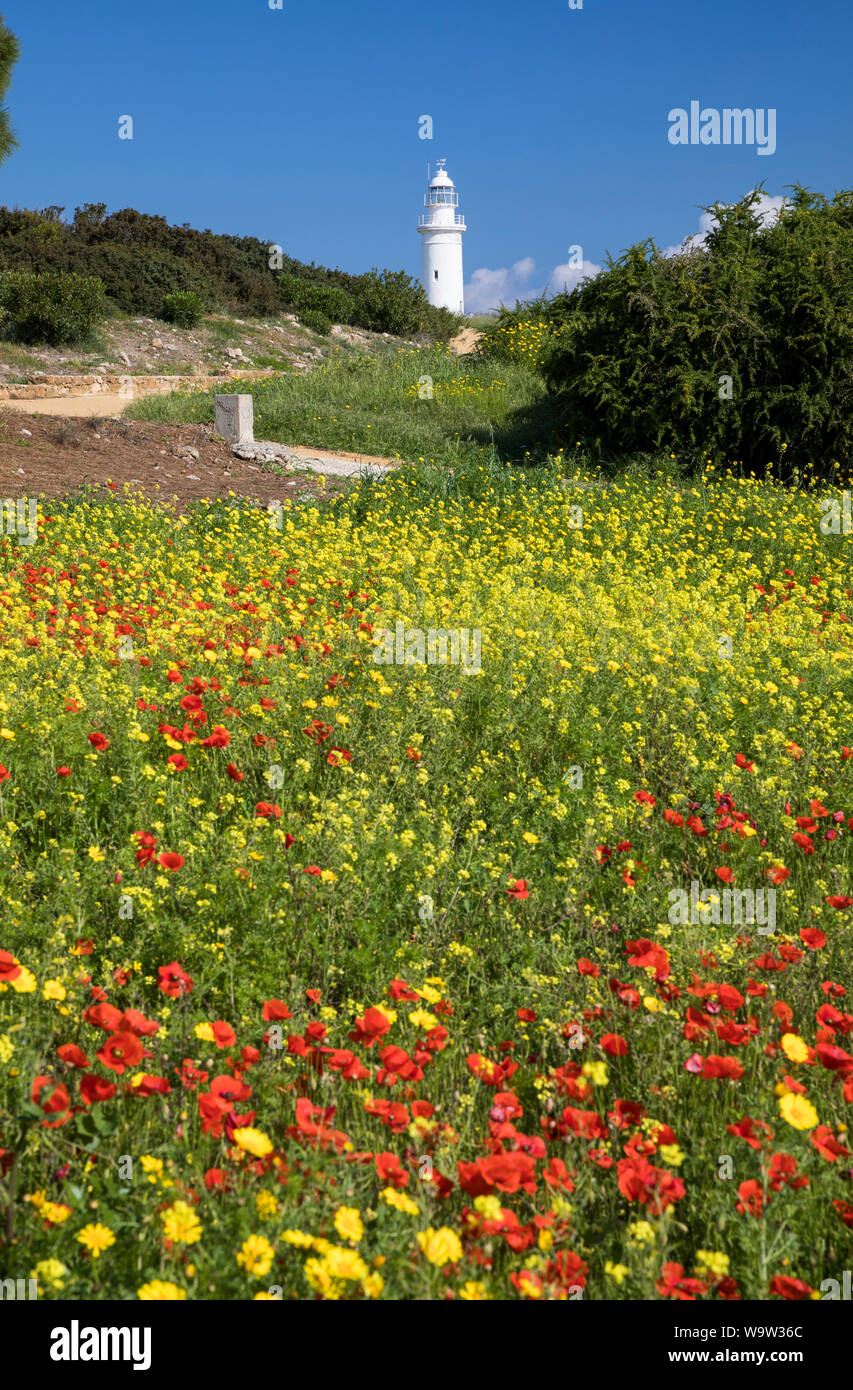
(235, 419)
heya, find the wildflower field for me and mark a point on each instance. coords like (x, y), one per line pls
(329, 977)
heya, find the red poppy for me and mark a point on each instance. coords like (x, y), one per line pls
(648, 953)
(507, 1172)
(813, 937)
(171, 860)
(151, 1086)
(742, 763)
(390, 1171)
(121, 1050)
(234, 773)
(318, 731)
(96, 1088)
(178, 761)
(783, 1286)
(219, 738)
(527, 1015)
(518, 888)
(614, 1045)
(778, 874)
(398, 989)
(640, 1181)
(147, 844)
(588, 967)
(73, 1055)
(729, 998)
(673, 1284)
(98, 741)
(267, 809)
(52, 1099)
(827, 1145)
(132, 1021)
(746, 1129)
(715, 1067)
(103, 1015)
(839, 901)
(369, 1028)
(9, 968)
(174, 980)
(751, 1195)
(275, 1009)
(834, 1058)
(845, 1211)
(725, 874)
(60, 772)
(223, 1034)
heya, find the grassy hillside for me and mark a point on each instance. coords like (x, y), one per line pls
(408, 403)
(140, 259)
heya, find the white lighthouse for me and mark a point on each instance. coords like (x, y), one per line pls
(441, 227)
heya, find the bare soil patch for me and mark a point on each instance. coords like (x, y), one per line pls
(172, 464)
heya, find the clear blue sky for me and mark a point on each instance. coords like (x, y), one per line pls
(301, 125)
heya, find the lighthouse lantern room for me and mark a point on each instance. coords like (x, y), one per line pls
(441, 228)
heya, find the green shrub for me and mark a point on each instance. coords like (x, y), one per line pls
(390, 302)
(141, 259)
(51, 307)
(303, 296)
(518, 334)
(184, 308)
(320, 322)
(741, 350)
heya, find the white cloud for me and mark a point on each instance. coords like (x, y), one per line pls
(487, 289)
(768, 208)
(566, 277)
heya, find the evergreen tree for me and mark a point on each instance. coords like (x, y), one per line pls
(9, 51)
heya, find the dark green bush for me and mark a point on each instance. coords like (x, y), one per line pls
(184, 308)
(390, 302)
(138, 284)
(51, 307)
(732, 351)
(303, 296)
(316, 319)
(141, 259)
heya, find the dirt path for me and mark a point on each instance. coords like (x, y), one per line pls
(42, 455)
(80, 407)
(465, 341)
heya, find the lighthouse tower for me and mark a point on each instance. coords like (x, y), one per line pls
(441, 228)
